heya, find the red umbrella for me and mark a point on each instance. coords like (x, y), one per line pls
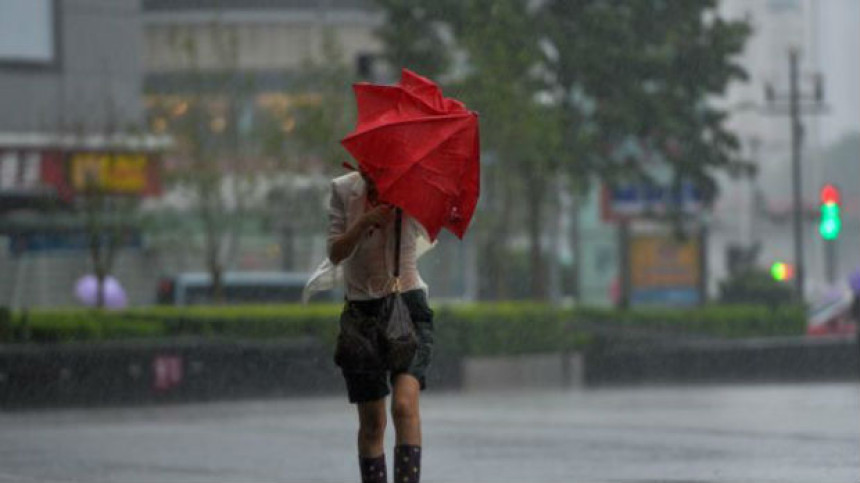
(421, 150)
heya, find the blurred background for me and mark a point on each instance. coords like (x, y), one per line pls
(634, 153)
(670, 196)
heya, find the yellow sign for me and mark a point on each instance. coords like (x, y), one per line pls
(661, 262)
(111, 172)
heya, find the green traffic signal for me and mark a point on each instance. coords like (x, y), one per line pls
(781, 271)
(831, 222)
(777, 271)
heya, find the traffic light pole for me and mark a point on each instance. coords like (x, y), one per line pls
(797, 193)
(795, 111)
(830, 258)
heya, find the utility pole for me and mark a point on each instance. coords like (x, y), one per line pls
(796, 174)
(795, 109)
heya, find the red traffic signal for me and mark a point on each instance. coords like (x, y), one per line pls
(829, 194)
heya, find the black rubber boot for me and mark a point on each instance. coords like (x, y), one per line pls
(407, 464)
(373, 469)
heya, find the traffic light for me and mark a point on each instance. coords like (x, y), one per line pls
(781, 271)
(831, 219)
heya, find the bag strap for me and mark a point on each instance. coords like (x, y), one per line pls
(398, 225)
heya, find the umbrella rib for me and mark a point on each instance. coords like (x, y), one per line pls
(417, 165)
(427, 104)
(446, 117)
(429, 150)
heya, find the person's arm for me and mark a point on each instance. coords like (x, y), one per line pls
(342, 246)
(342, 241)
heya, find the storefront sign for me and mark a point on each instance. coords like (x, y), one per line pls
(664, 271)
(120, 173)
(636, 200)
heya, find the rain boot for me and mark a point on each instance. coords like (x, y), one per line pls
(373, 469)
(407, 464)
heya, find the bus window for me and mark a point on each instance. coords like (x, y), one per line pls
(238, 288)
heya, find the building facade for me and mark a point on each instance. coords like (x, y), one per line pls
(70, 82)
(759, 211)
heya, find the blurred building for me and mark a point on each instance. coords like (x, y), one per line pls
(70, 82)
(252, 62)
(261, 47)
(275, 38)
(759, 211)
(266, 53)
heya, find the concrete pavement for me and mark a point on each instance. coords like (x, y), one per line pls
(752, 433)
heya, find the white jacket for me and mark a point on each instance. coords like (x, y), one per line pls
(351, 190)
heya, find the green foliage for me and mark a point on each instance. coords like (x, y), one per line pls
(462, 329)
(327, 112)
(719, 320)
(505, 328)
(5, 323)
(410, 37)
(645, 70)
(755, 286)
(562, 84)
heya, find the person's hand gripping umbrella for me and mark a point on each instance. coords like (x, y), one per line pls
(420, 149)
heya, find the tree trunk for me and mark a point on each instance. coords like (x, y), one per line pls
(499, 242)
(535, 202)
(100, 288)
(217, 274)
(213, 245)
(576, 248)
(288, 236)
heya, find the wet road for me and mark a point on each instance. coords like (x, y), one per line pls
(764, 433)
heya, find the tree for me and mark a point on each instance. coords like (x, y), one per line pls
(646, 72)
(303, 139)
(412, 34)
(205, 125)
(562, 84)
(504, 80)
(108, 213)
(501, 43)
(108, 222)
(329, 112)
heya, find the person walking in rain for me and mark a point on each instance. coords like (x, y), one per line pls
(419, 152)
(361, 243)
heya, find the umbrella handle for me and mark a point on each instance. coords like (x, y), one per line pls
(398, 226)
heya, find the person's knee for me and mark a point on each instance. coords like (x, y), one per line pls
(372, 428)
(404, 408)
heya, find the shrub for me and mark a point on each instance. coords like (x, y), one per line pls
(505, 328)
(716, 320)
(754, 286)
(467, 329)
(5, 324)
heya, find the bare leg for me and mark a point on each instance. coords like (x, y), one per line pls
(371, 428)
(407, 424)
(371, 432)
(404, 410)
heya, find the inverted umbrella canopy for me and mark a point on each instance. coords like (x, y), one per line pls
(420, 149)
(86, 291)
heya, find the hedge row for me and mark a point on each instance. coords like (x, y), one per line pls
(65, 325)
(730, 321)
(477, 329)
